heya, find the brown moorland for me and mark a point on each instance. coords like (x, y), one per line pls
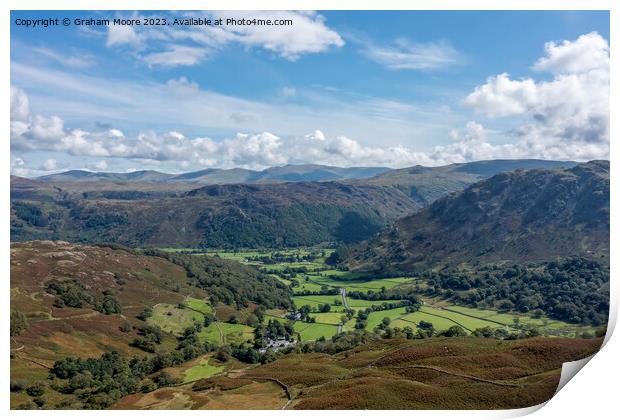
(439, 373)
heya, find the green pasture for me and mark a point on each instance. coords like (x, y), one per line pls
(222, 333)
(200, 371)
(172, 319)
(314, 331)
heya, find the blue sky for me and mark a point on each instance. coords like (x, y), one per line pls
(354, 88)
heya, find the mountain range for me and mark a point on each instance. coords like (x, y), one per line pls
(154, 209)
(288, 173)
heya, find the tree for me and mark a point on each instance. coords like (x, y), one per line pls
(36, 389)
(109, 305)
(454, 331)
(18, 323)
(386, 321)
(223, 355)
(208, 320)
(145, 314)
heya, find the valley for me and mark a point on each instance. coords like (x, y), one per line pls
(305, 294)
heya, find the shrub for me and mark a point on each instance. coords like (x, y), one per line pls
(36, 389)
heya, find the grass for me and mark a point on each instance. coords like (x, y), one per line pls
(172, 319)
(362, 286)
(375, 318)
(311, 332)
(202, 370)
(222, 333)
(547, 325)
(358, 304)
(198, 305)
(306, 285)
(315, 300)
(465, 321)
(329, 317)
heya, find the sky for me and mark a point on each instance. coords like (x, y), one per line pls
(342, 88)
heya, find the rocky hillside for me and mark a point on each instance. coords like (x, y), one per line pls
(525, 215)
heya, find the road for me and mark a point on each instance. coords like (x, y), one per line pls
(343, 293)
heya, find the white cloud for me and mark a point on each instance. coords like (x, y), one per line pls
(178, 46)
(75, 61)
(406, 55)
(566, 117)
(47, 128)
(20, 106)
(588, 52)
(122, 35)
(501, 96)
(180, 104)
(471, 143)
(49, 165)
(307, 34)
(101, 165)
(176, 55)
(183, 86)
(288, 92)
(258, 150)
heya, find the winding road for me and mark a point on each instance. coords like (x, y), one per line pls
(343, 293)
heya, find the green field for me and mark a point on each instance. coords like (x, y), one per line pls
(358, 304)
(547, 325)
(310, 332)
(319, 275)
(375, 318)
(361, 286)
(329, 317)
(315, 300)
(224, 333)
(172, 319)
(202, 370)
(198, 305)
(306, 285)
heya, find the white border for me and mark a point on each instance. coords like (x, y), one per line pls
(592, 395)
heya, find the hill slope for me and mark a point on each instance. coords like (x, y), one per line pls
(426, 184)
(532, 215)
(446, 373)
(269, 215)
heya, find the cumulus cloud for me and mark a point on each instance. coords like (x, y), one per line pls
(49, 165)
(18, 167)
(190, 45)
(501, 96)
(20, 106)
(255, 150)
(566, 117)
(407, 55)
(101, 165)
(588, 52)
